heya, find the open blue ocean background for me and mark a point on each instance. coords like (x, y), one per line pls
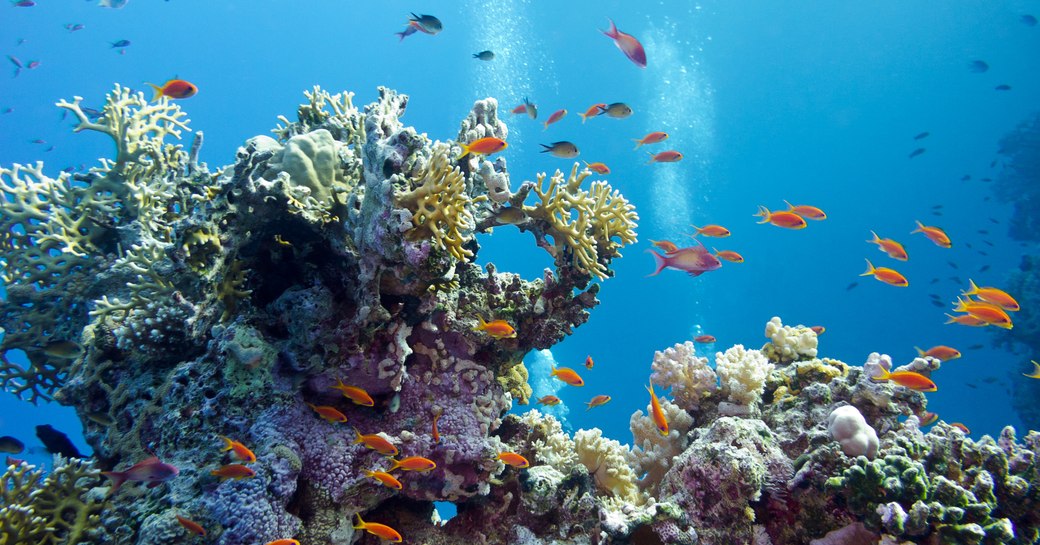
(816, 104)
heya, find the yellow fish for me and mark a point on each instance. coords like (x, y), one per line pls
(1036, 370)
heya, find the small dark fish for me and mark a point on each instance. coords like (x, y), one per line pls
(934, 296)
(994, 220)
(120, 43)
(993, 163)
(24, 3)
(11, 445)
(427, 23)
(617, 110)
(921, 135)
(1002, 87)
(73, 27)
(57, 442)
(68, 170)
(38, 141)
(92, 113)
(915, 153)
(14, 60)
(51, 148)
(989, 379)
(936, 206)
(975, 347)
(1028, 20)
(956, 279)
(484, 55)
(8, 110)
(984, 268)
(966, 177)
(978, 67)
(968, 244)
(952, 264)
(987, 243)
(101, 418)
(934, 281)
(970, 385)
(983, 232)
(938, 304)
(936, 213)
(987, 179)
(562, 149)
(850, 286)
(983, 253)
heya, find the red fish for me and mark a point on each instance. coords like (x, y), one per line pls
(651, 138)
(358, 395)
(386, 479)
(588, 362)
(191, 526)
(556, 116)
(497, 329)
(330, 414)
(892, 248)
(483, 146)
(593, 111)
(994, 296)
(233, 471)
(376, 442)
(549, 400)
(521, 109)
(694, 260)
(174, 88)
(627, 44)
(788, 220)
(711, 230)
(436, 432)
(818, 329)
(514, 459)
(598, 168)
(704, 339)
(665, 246)
(886, 275)
(908, 379)
(729, 255)
(941, 352)
(283, 542)
(806, 211)
(150, 470)
(567, 375)
(670, 156)
(413, 463)
(934, 234)
(964, 429)
(597, 401)
(238, 449)
(381, 531)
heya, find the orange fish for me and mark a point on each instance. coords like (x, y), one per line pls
(711, 231)
(729, 255)
(498, 329)
(521, 109)
(283, 542)
(381, 531)
(436, 433)
(549, 400)
(174, 88)
(665, 246)
(355, 394)
(387, 479)
(987, 312)
(233, 471)
(655, 411)
(961, 427)
(651, 138)
(934, 234)
(331, 414)
(886, 275)
(909, 379)
(191, 526)
(556, 116)
(670, 156)
(413, 463)
(1036, 370)
(513, 459)
(966, 319)
(892, 248)
(929, 418)
(818, 329)
(704, 339)
(567, 375)
(483, 146)
(597, 401)
(787, 220)
(598, 168)
(941, 353)
(375, 442)
(593, 111)
(806, 211)
(588, 362)
(994, 296)
(239, 450)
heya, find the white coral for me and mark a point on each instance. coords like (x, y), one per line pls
(790, 343)
(689, 377)
(555, 448)
(743, 373)
(652, 453)
(607, 461)
(848, 427)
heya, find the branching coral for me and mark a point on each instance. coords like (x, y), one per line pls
(607, 461)
(788, 344)
(742, 373)
(689, 377)
(652, 453)
(582, 224)
(57, 509)
(440, 205)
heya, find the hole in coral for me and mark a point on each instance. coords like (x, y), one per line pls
(446, 510)
(209, 393)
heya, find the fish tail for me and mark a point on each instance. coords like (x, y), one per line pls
(587, 409)
(1036, 370)
(870, 269)
(652, 157)
(876, 240)
(919, 351)
(612, 31)
(547, 148)
(118, 478)
(789, 205)
(359, 439)
(973, 289)
(227, 443)
(882, 376)
(951, 319)
(158, 91)
(660, 261)
(481, 325)
(396, 464)
(582, 118)
(764, 213)
(638, 141)
(465, 151)
(920, 227)
(360, 523)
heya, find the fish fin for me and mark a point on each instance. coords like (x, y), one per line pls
(359, 439)
(227, 443)
(919, 351)
(360, 523)
(876, 240)
(465, 151)
(612, 32)
(870, 269)
(920, 227)
(789, 205)
(547, 148)
(158, 91)
(973, 288)
(638, 141)
(695, 274)
(764, 213)
(582, 118)
(118, 478)
(659, 261)
(1036, 370)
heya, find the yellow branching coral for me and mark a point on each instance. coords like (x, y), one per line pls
(51, 510)
(584, 223)
(607, 461)
(344, 120)
(441, 208)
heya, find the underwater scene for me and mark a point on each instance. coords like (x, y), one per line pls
(333, 272)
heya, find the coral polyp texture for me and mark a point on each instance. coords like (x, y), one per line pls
(317, 300)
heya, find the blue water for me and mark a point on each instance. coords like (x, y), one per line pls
(817, 105)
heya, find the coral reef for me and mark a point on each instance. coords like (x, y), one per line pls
(63, 507)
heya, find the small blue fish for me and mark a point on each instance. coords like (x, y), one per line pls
(1028, 20)
(915, 153)
(978, 66)
(1002, 87)
(120, 43)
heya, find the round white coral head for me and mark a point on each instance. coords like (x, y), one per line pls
(848, 427)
